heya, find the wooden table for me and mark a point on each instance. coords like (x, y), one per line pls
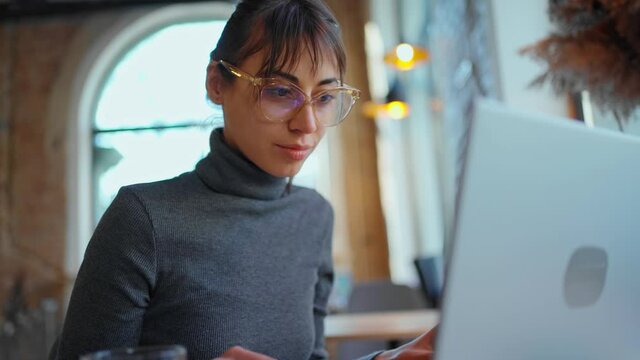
(391, 325)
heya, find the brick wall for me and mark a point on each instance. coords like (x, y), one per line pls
(32, 153)
(4, 157)
(38, 57)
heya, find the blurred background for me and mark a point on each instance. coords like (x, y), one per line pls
(97, 94)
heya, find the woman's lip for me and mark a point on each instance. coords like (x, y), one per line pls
(295, 147)
(295, 152)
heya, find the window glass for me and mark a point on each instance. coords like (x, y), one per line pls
(153, 120)
(160, 81)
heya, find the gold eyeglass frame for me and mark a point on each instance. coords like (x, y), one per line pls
(260, 83)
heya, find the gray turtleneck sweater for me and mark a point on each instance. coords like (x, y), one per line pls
(213, 258)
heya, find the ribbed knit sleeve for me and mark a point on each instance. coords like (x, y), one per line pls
(114, 283)
(322, 290)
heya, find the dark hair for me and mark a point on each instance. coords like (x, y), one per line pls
(283, 28)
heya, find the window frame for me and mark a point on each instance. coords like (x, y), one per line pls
(90, 72)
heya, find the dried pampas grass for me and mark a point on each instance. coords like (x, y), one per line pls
(595, 48)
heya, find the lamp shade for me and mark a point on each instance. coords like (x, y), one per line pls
(395, 107)
(405, 56)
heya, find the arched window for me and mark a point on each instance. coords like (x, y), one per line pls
(141, 112)
(152, 119)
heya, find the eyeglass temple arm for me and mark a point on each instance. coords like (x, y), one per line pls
(239, 73)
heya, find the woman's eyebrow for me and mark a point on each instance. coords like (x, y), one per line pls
(295, 80)
(328, 81)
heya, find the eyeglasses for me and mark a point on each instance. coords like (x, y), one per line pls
(281, 100)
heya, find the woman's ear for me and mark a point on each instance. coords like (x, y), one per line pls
(214, 83)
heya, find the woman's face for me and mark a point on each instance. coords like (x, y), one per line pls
(278, 148)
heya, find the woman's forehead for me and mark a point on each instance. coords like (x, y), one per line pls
(285, 54)
(302, 61)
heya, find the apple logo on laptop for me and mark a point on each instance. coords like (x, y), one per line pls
(585, 276)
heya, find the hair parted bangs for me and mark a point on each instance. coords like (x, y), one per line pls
(284, 35)
(283, 30)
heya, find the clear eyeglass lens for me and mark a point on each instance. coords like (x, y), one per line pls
(279, 102)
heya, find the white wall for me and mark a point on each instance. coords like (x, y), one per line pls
(518, 24)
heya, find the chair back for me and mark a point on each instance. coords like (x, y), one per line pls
(431, 273)
(383, 295)
(377, 296)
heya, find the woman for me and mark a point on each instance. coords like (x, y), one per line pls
(230, 255)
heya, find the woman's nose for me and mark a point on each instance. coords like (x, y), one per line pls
(305, 120)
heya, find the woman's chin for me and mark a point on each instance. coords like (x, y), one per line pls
(285, 170)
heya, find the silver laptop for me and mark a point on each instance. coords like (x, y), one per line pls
(545, 263)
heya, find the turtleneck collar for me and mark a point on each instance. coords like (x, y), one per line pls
(227, 171)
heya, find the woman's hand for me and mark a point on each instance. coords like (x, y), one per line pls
(421, 348)
(240, 353)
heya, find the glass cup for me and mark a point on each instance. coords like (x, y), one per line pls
(165, 352)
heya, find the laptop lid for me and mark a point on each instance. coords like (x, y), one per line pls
(545, 260)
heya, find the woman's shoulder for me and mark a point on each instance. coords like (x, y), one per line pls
(309, 194)
(177, 187)
(314, 198)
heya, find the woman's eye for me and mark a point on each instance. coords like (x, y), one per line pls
(279, 91)
(325, 98)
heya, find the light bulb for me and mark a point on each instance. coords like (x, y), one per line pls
(405, 52)
(397, 110)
